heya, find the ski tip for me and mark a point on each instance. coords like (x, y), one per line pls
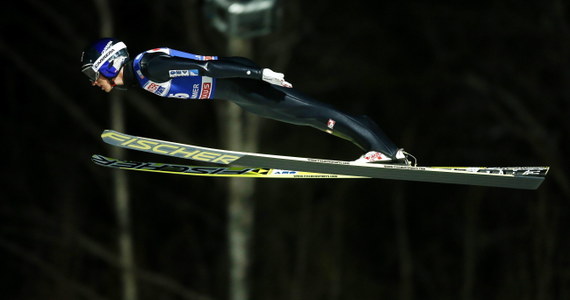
(107, 131)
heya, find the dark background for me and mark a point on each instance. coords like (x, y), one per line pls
(475, 83)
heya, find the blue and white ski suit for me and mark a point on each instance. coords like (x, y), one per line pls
(176, 74)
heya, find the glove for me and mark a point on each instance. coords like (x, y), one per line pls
(268, 75)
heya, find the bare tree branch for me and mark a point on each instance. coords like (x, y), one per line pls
(52, 90)
(92, 248)
(49, 270)
(156, 279)
(105, 16)
(63, 23)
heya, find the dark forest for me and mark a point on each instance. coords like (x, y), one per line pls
(457, 84)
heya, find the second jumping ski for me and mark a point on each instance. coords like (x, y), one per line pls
(507, 177)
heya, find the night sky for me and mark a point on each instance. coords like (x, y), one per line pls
(478, 83)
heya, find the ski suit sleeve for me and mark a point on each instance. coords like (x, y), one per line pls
(157, 68)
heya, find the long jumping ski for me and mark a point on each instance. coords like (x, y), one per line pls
(216, 171)
(507, 177)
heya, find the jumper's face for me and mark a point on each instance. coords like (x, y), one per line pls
(104, 83)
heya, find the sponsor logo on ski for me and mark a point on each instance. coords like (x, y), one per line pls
(167, 168)
(327, 161)
(517, 171)
(170, 149)
(284, 172)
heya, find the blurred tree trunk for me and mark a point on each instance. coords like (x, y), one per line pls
(470, 242)
(405, 258)
(405, 261)
(122, 207)
(239, 132)
(544, 217)
(120, 183)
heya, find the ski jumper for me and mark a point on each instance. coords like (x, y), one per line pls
(176, 74)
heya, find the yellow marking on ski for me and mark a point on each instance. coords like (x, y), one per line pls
(170, 149)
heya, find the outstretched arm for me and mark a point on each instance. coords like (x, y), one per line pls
(158, 68)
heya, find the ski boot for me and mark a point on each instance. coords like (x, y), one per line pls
(402, 158)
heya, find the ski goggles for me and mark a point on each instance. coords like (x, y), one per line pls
(90, 73)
